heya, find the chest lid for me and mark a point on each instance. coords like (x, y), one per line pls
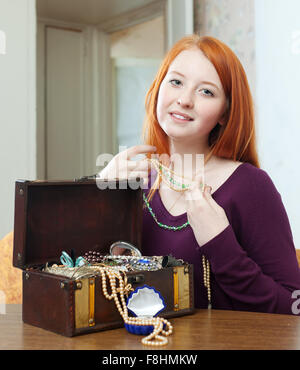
(56, 216)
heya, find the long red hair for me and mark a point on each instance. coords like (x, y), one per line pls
(235, 139)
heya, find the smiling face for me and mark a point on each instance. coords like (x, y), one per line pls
(191, 100)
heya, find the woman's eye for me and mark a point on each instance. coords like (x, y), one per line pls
(207, 92)
(175, 82)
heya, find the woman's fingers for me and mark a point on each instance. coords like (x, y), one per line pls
(135, 174)
(139, 149)
(121, 167)
(196, 190)
(142, 165)
(208, 190)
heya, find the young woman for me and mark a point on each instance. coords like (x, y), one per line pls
(228, 220)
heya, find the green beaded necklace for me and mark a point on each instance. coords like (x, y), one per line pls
(167, 227)
(205, 263)
(172, 180)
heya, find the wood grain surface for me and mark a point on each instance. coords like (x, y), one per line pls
(206, 329)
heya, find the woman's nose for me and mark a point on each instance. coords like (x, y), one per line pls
(185, 101)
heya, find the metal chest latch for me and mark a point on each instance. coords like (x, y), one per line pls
(181, 288)
(135, 279)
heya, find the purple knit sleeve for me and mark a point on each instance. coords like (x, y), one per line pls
(254, 259)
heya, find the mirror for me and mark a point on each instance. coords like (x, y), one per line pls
(121, 248)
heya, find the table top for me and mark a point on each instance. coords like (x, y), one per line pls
(205, 329)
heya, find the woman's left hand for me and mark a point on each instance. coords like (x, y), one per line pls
(206, 217)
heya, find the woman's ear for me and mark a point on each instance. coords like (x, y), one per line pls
(222, 119)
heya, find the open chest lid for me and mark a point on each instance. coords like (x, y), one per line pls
(56, 216)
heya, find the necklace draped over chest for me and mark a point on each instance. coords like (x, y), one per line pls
(176, 182)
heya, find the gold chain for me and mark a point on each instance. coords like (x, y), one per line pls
(156, 163)
(160, 168)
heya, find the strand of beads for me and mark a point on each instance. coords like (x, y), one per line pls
(165, 174)
(93, 257)
(158, 328)
(206, 278)
(153, 339)
(168, 227)
(166, 169)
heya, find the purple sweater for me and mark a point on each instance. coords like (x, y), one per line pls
(253, 261)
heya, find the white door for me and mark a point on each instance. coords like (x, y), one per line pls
(133, 78)
(63, 103)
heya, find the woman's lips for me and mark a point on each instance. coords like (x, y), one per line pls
(180, 117)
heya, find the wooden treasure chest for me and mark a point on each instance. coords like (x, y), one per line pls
(77, 222)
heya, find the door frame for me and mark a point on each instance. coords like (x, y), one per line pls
(41, 132)
(98, 108)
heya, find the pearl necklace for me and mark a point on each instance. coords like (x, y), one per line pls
(153, 339)
(206, 279)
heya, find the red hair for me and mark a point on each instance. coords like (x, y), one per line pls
(235, 139)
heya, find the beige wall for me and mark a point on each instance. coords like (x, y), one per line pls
(17, 103)
(231, 21)
(146, 40)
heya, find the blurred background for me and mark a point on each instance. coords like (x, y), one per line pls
(74, 74)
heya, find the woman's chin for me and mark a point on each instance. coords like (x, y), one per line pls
(174, 131)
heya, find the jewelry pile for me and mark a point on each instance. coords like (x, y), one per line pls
(114, 268)
(128, 263)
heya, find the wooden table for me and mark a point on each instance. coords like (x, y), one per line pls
(206, 329)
